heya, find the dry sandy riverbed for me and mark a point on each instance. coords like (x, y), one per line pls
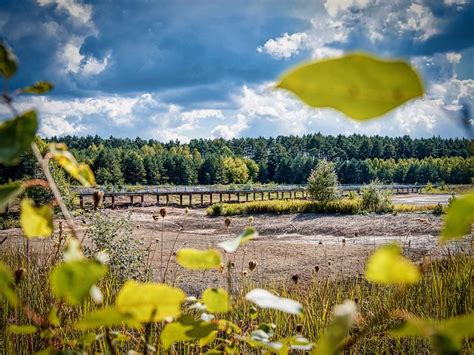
(287, 245)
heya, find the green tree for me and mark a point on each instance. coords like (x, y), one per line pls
(322, 182)
(134, 169)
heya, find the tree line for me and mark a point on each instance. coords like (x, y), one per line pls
(287, 160)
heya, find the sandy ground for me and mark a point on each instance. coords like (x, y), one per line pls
(293, 244)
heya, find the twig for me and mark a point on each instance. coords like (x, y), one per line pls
(54, 189)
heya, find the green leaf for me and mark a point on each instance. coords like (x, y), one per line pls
(336, 332)
(7, 285)
(79, 171)
(388, 266)
(208, 339)
(53, 318)
(359, 85)
(198, 259)
(9, 192)
(216, 300)
(16, 136)
(106, 317)
(38, 88)
(150, 302)
(231, 245)
(265, 299)
(185, 329)
(22, 329)
(459, 218)
(73, 280)
(8, 61)
(36, 222)
(445, 336)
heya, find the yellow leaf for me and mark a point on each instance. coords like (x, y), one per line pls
(359, 85)
(36, 222)
(216, 300)
(150, 302)
(79, 171)
(388, 266)
(459, 218)
(198, 259)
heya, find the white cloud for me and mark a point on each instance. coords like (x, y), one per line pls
(285, 46)
(233, 130)
(453, 57)
(72, 61)
(333, 7)
(419, 19)
(80, 13)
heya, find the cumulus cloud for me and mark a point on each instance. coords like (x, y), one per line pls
(80, 13)
(73, 61)
(285, 46)
(333, 7)
(420, 20)
(453, 57)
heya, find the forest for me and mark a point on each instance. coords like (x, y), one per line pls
(285, 160)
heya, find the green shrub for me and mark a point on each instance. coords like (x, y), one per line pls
(375, 199)
(114, 236)
(322, 182)
(438, 210)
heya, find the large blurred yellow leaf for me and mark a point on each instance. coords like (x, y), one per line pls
(388, 266)
(198, 259)
(185, 329)
(7, 285)
(79, 171)
(16, 136)
(359, 85)
(216, 300)
(150, 302)
(36, 222)
(459, 218)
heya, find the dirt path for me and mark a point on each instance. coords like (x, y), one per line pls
(293, 244)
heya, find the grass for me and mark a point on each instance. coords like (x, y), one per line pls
(342, 206)
(445, 291)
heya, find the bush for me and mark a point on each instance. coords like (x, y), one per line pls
(322, 182)
(374, 199)
(114, 236)
(438, 210)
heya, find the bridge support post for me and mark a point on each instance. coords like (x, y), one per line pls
(254, 196)
(210, 198)
(157, 200)
(269, 196)
(190, 200)
(238, 197)
(167, 200)
(131, 200)
(246, 197)
(180, 200)
(142, 200)
(81, 202)
(202, 199)
(113, 201)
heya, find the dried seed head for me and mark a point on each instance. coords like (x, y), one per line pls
(316, 268)
(221, 267)
(19, 274)
(252, 265)
(227, 221)
(245, 273)
(343, 241)
(232, 264)
(299, 328)
(98, 198)
(295, 278)
(356, 234)
(320, 243)
(250, 220)
(186, 210)
(356, 300)
(163, 212)
(174, 253)
(329, 263)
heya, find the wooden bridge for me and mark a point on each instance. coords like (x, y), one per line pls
(202, 195)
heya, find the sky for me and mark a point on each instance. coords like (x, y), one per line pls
(181, 69)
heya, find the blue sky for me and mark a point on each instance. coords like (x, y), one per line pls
(187, 69)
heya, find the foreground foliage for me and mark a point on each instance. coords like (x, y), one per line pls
(72, 314)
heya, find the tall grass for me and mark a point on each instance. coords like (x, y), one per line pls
(342, 206)
(444, 291)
